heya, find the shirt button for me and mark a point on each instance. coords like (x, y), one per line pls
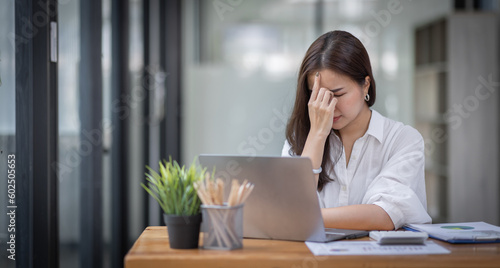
(353, 157)
(343, 188)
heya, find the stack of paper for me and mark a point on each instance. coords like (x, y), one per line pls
(464, 232)
(373, 248)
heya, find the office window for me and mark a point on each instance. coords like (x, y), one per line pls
(239, 73)
(69, 133)
(7, 121)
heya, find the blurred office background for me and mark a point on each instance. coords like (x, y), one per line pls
(137, 81)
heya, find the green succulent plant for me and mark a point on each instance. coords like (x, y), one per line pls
(173, 187)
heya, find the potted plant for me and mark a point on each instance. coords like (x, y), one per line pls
(173, 188)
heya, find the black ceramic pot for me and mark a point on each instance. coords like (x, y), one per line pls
(183, 231)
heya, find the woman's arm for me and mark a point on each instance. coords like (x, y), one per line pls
(314, 148)
(361, 217)
(321, 107)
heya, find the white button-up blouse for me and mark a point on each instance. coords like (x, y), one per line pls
(386, 168)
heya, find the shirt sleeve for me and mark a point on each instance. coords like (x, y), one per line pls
(286, 152)
(286, 149)
(399, 189)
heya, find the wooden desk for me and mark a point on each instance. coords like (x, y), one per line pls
(152, 250)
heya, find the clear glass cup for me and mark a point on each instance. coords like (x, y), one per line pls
(222, 227)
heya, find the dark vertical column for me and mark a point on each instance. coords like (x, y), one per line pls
(24, 134)
(171, 127)
(36, 129)
(146, 106)
(121, 116)
(154, 85)
(91, 221)
(163, 65)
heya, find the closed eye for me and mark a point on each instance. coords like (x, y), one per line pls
(337, 91)
(339, 95)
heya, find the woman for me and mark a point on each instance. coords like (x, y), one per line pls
(369, 169)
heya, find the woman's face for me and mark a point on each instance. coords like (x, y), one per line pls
(350, 96)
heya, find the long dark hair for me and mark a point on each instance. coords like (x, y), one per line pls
(342, 53)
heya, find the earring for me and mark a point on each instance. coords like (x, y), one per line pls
(367, 97)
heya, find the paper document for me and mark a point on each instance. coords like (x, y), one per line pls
(373, 248)
(463, 232)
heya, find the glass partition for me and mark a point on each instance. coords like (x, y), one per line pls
(240, 65)
(69, 133)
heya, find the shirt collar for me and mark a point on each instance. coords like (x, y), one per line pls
(376, 126)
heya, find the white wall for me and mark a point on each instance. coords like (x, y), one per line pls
(232, 114)
(474, 126)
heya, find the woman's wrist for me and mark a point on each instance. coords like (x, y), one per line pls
(313, 148)
(318, 136)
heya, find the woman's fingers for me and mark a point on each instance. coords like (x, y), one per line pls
(323, 100)
(333, 103)
(322, 95)
(315, 89)
(325, 97)
(321, 108)
(329, 100)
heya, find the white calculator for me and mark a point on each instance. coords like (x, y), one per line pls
(399, 237)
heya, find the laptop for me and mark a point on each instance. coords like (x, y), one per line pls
(284, 204)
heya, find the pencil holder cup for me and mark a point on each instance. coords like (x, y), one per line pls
(222, 227)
